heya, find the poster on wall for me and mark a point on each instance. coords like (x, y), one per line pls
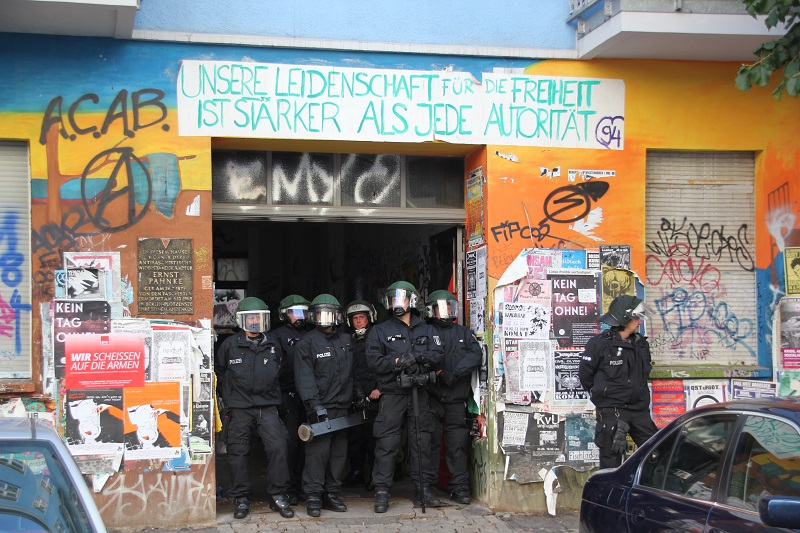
(567, 389)
(616, 282)
(705, 391)
(513, 374)
(152, 421)
(226, 302)
(581, 451)
(535, 357)
(791, 258)
(789, 383)
(544, 446)
(73, 318)
(749, 389)
(575, 307)
(668, 400)
(104, 360)
(109, 262)
(789, 326)
(474, 207)
(526, 320)
(616, 256)
(94, 421)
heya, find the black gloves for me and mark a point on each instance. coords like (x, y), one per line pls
(447, 378)
(316, 411)
(407, 362)
(359, 399)
(620, 442)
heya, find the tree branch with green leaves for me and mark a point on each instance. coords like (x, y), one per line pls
(779, 55)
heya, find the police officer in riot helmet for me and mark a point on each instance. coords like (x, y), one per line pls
(293, 313)
(450, 392)
(248, 366)
(361, 316)
(614, 369)
(323, 371)
(403, 351)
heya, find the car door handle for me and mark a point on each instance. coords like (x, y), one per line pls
(637, 515)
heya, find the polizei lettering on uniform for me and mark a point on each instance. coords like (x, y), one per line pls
(323, 355)
(235, 361)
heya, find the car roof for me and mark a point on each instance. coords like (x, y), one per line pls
(23, 428)
(785, 406)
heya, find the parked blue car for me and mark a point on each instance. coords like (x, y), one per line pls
(41, 488)
(726, 467)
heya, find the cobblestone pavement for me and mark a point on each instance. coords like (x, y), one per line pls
(402, 517)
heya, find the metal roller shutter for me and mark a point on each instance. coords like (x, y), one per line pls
(700, 250)
(15, 270)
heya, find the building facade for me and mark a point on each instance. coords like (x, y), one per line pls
(161, 161)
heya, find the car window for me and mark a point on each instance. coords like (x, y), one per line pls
(687, 461)
(766, 462)
(36, 492)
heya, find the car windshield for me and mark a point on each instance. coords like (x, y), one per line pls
(35, 491)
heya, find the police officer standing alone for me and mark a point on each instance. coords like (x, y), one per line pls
(449, 395)
(614, 368)
(293, 312)
(248, 365)
(403, 345)
(361, 444)
(323, 371)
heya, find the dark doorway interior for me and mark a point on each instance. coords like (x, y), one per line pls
(349, 260)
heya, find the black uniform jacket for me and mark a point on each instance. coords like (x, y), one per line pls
(248, 372)
(323, 369)
(388, 340)
(288, 336)
(615, 371)
(462, 355)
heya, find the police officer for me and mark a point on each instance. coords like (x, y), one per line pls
(361, 444)
(614, 368)
(403, 345)
(247, 365)
(449, 395)
(323, 371)
(293, 312)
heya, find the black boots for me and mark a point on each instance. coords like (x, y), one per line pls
(428, 496)
(460, 496)
(313, 505)
(381, 501)
(280, 503)
(332, 502)
(242, 508)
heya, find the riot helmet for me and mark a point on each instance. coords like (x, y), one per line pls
(252, 315)
(294, 310)
(360, 307)
(625, 308)
(442, 306)
(400, 297)
(325, 311)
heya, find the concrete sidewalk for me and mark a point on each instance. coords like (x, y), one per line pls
(402, 517)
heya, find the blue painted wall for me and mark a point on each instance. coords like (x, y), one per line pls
(503, 23)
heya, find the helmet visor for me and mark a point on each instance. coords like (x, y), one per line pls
(253, 321)
(399, 299)
(298, 312)
(444, 309)
(642, 311)
(326, 315)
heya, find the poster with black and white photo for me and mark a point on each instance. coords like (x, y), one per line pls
(616, 256)
(202, 427)
(581, 451)
(526, 320)
(576, 307)
(94, 421)
(567, 389)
